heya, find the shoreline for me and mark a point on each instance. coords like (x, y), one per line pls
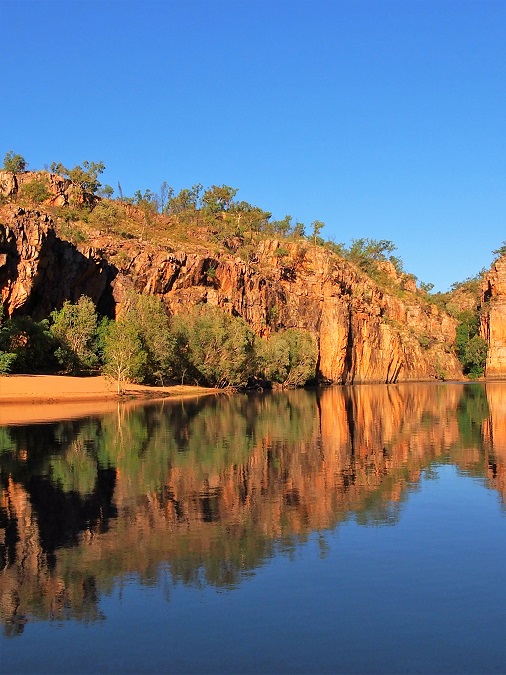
(28, 398)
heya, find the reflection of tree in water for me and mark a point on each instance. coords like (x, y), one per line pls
(210, 489)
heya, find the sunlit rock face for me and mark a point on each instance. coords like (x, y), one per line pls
(365, 332)
(39, 271)
(62, 192)
(493, 323)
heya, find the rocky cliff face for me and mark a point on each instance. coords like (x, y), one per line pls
(39, 271)
(365, 333)
(493, 323)
(62, 192)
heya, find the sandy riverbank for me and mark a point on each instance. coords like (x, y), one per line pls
(26, 398)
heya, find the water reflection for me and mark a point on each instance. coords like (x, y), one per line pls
(209, 489)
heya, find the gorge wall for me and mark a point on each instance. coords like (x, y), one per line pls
(365, 332)
(493, 321)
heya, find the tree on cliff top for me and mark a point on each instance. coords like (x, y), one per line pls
(14, 163)
(85, 176)
(500, 251)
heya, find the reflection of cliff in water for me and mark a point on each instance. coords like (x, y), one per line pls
(215, 487)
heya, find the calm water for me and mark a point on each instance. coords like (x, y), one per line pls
(351, 530)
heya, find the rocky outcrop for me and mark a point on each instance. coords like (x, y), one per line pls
(364, 332)
(39, 271)
(493, 322)
(62, 192)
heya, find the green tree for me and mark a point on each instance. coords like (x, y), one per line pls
(32, 343)
(35, 192)
(7, 357)
(165, 193)
(74, 326)
(212, 347)
(84, 176)
(282, 227)
(500, 251)
(124, 356)
(14, 163)
(107, 215)
(475, 356)
(317, 226)
(147, 314)
(147, 200)
(288, 357)
(185, 202)
(218, 198)
(249, 218)
(470, 347)
(107, 191)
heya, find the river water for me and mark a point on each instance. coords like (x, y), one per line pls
(347, 530)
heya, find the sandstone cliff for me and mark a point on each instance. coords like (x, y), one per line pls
(62, 192)
(365, 333)
(493, 322)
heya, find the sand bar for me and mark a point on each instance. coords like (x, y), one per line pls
(31, 398)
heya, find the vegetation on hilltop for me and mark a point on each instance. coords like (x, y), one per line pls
(195, 215)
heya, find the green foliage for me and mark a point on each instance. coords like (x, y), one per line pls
(367, 253)
(6, 361)
(288, 357)
(298, 231)
(31, 343)
(70, 231)
(337, 248)
(212, 348)
(106, 191)
(470, 285)
(106, 215)
(84, 176)
(35, 192)
(7, 357)
(123, 353)
(147, 316)
(218, 198)
(475, 356)
(424, 340)
(316, 227)
(147, 200)
(74, 327)
(470, 347)
(14, 163)
(186, 202)
(500, 251)
(101, 333)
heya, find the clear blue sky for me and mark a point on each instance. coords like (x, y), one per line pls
(384, 119)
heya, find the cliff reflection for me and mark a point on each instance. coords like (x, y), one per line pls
(208, 490)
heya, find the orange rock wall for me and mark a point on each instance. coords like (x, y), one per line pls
(364, 333)
(493, 324)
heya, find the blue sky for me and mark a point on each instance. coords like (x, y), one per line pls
(384, 119)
